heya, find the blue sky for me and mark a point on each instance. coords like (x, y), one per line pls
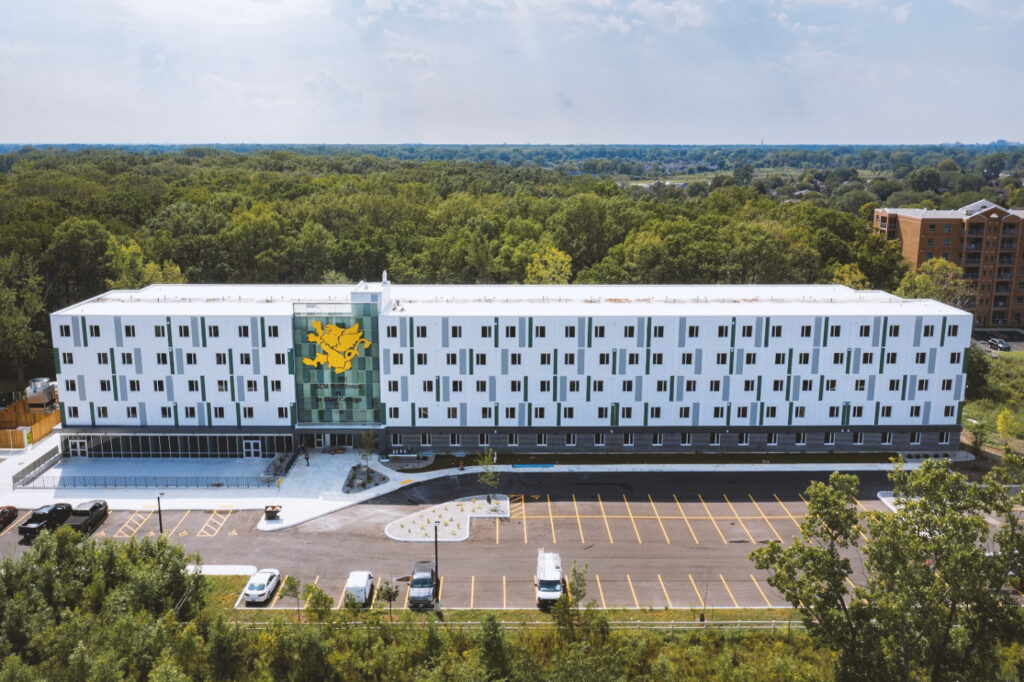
(515, 71)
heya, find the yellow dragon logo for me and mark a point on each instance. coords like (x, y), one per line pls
(339, 346)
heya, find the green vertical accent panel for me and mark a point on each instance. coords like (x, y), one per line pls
(266, 388)
(413, 414)
(963, 365)
(56, 360)
(530, 332)
(878, 409)
(168, 332)
(959, 412)
(732, 359)
(471, 355)
(615, 360)
(728, 414)
(885, 330)
(231, 382)
(821, 388)
(903, 395)
(759, 387)
(293, 413)
(881, 360)
(209, 415)
(760, 419)
(171, 356)
(646, 405)
(789, 362)
(554, 388)
(790, 422)
(672, 388)
(588, 389)
(767, 329)
(238, 414)
(495, 414)
(648, 332)
(85, 337)
(789, 383)
(529, 414)
(113, 367)
(732, 334)
(92, 414)
(942, 335)
(231, 362)
(526, 389)
(648, 370)
(113, 382)
(412, 335)
(202, 386)
(291, 361)
(554, 370)
(176, 414)
(63, 416)
(590, 331)
(824, 340)
(558, 414)
(202, 329)
(495, 332)
(848, 358)
(263, 332)
(412, 361)
(615, 414)
(437, 388)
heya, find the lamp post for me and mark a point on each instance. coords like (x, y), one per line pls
(160, 513)
(436, 568)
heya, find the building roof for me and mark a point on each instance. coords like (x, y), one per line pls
(510, 300)
(961, 213)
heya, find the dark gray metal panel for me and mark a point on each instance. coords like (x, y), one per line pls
(563, 383)
(403, 332)
(256, 362)
(641, 332)
(122, 385)
(522, 332)
(201, 412)
(581, 333)
(622, 361)
(462, 361)
(876, 332)
(80, 383)
(521, 414)
(179, 361)
(818, 322)
(76, 332)
(118, 340)
(240, 388)
(386, 362)
(753, 409)
(911, 386)
(679, 387)
(138, 360)
(759, 332)
(446, 389)
(794, 388)
(738, 359)
(698, 357)
(857, 355)
(582, 361)
(918, 323)
(695, 414)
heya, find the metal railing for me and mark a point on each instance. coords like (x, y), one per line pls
(773, 626)
(37, 466)
(149, 482)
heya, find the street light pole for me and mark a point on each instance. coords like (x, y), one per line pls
(437, 569)
(160, 513)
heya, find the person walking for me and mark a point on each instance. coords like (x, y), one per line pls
(305, 453)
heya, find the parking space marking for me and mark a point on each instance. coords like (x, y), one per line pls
(791, 517)
(760, 591)
(408, 587)
(187, 512)
(310, 595)
(632, 520)
(472, 589)
(504, 594)
(861, 505)
(712, 518)
(278, 591)
(657, 516)
(667, 600)
(551, 518)
(852, 586)
(695, 590)
(686, 520)
(736, 514)
(600, 590)
(215, 522)
(440, 589)
(726, 585)
(373, 599)
(632, 591)
(517, 508)
(578, 521)
(763, 516)
(136, 521)
(497, 530)
(605, 517)
(16, 523)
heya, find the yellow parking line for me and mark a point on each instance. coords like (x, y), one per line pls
(734, 603)
(554, 539)
(667, 600)
(603, 515)
(715, 523)
(683, 514)
(277, 593)
(758, 507)
(472, 589)
(578, 522)
(766, 602)
(497, 530)
(736, 514)
(136, 521)
(852, 586)
(632, 591)
(440, 589)
(695, 590)
(504, 597)
(373, 599)
(171, 531)
(600, 590)
(791, 517)
(632, 520)
(657, 516)
(315, 581)
(407, 589)
(18, 522)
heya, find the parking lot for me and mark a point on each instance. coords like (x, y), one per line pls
(647, 540)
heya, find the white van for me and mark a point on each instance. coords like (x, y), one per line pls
(360, 587)
(549, 578)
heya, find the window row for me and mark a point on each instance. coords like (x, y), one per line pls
(135, 385)
(160, 331)
(162, 358)
(167, 412)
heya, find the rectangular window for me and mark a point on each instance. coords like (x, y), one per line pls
(452, 358)
(421, 359)
(392, 331)
(183, 331)
(949, 411)
(161, 358)
(944, 438)
(222, 385)
(687, 358)
(397, 358)
(425, 439)
(599, 439)
(715, 385)
(282, 413)
(243, 331)
(516, 386)
(570, 358)
(807, 384)
(952, 330)
(245, 358)
(510, 331)
(865, 330)
(857, 411)
(486, 412)
(250, 385)
(803, 358)
(453, 413)
(655, 413)
(751, 358)
(743, 439)
(947, 384)
(894, 384)
(780, 358)
(633, 358)
(485, 331)
(714, 439)
(190, 358)
(684, 412)
(272, 331)
(481, 386)
(538, 413)
(193, 385)
(396, 439)
(886, 438)
(454, 440)
(659, 331)
(915, 438)
(603, 359)
(747, 331)
(69, 359)
(545, 386)
(101, 411)
(835, 330)
(929, 330)
(749, 385)
(769, 412)
(719, 412)
(510, 413)
(922, 384)
(456, 331)
(104, 384)
(693, 331)
(393, 385)
(421, 331)
(602, 413)
(830, 438)
(133, 385)
(65, 330)
(568, 413)
(627, 385)
(570, 439)
(481, 358)
(69, 384)
(890, 358)
(657, 358)
(160, 331)
(392, 413)
(837, 358)
(102, 358)
(805, 331)
(222, 358)
(599, 331)
(428, 386)
(661, 386)
(545, 358)
(886, 411)
(691, 384)
(859, 385)
(954, 358)
(158, 385)
(868, 358)
(830, 384)
(915, 410)
(772, 438)
(858, 438)
(684, 439)
(799, 411)
(778, 384)
(539, 331)
(722, 358)
(457, 386)
(776, 331)
(422, 413)
(657, 439)
(741, 412)
(627, 412)
(629, 331)
(574, 386)
(133, 412)
(165, 412)
(279, 358)
(94, 330)
(570, 332)
(921, 358)
(833, 411)
(213, 331)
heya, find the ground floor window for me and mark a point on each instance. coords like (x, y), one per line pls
(684, 439)
(485, 439)
(542, 439)
(425, 439)
(453, 439)
(858, 438)
(396, 439)
(801, 439)
(886, 438)
(627, 439)
(599, 439)
(944, 438)
(773, 438)
(570, 439)
(915, 437)
(513, 439)
(830, 438)
(657, 439)
(715, 439)
(743, 439)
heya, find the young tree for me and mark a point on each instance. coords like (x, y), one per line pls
(293, 588)
(367, 447)
(387, 593)
(21, 302)
(937, 279)
(1007, 425)
(317, 602)
(488, 476)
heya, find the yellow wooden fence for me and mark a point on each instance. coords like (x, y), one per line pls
(17, 415)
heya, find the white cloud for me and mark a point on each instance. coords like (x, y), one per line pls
(1004, 9)
(901, 14)
(205, 12)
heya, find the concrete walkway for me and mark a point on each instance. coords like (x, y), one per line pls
(451, 518)
(307, 492)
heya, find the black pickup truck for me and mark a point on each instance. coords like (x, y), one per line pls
(45, 518)
(87, 516)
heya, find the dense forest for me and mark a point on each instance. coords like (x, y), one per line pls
(77, 221)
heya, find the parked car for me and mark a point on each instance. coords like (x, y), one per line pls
(261, 585)
(87, 516)
(998, 344)
(423, 587)
(7, 514)
(45, 518)
(359, 587)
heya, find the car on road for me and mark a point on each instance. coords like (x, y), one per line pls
(7, 514)
(261, 585)
(45, 518)
(423, 586)
(87, 516)
(998, 344)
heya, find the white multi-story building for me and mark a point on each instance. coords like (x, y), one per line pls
(233, 370)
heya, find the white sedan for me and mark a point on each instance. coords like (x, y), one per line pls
(261, 585)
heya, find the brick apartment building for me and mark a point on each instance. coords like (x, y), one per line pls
(982, 238)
